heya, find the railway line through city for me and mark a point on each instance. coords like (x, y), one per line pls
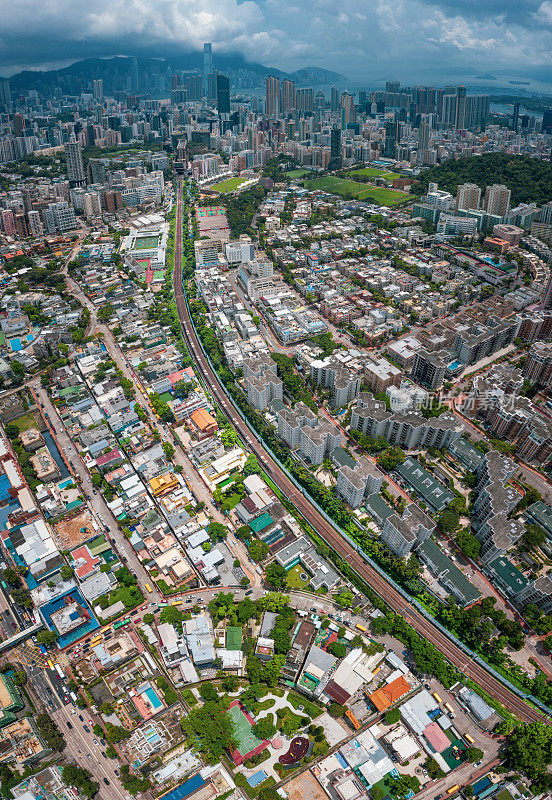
(325, 529)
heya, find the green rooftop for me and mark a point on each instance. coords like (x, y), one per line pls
(508, 576)
(261, 523)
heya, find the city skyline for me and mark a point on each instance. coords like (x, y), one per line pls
(374, 43)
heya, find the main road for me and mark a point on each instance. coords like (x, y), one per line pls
(328, 532)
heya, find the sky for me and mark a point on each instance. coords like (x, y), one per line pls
(368, 40)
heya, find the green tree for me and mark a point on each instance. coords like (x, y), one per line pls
(66, 572)
(257, 550)
(276, 575)
(209, 730)
(474, 754)
(392, 716)
(533, 537)
(336, 710)
(46, 638)
(529, 749)
(208, 692)
(172, 615)
(264, 728)
(149, 619)
(338, 649)
(391, 458)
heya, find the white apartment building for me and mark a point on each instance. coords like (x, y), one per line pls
(402, 534)
(354, 483)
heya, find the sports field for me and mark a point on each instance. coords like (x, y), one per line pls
(230, 185)
(146, 242)
(373, 172)
(297, 173)
(360, 191)
(246, 739)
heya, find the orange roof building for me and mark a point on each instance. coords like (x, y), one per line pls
(203, 421)
(385, 696)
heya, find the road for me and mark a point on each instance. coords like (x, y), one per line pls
(96, 501)
(328, 532)
(53, 694)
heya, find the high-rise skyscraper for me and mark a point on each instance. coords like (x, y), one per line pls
(97, 89)
(546, 120)
(460, 122)
(335, 148)
(392, 86)
(207, 66)
(5, 96)
(423, 142)
(515, 120)
(497, 199)
(468, 196)
(346, 109)
(223, 94)
(75, 165)
(305, 99)
(334, 100)
(288, 100)
(133, 74)
(272, 96)
(390, 143)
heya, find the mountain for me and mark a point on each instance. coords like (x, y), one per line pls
(115, 71)
(314, 76)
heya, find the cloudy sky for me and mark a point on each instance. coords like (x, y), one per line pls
(365, 39)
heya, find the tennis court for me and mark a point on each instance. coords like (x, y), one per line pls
(210, 211)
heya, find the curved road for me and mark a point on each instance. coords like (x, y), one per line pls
(327, 532)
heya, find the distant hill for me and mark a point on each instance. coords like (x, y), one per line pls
(529, 179)
(313, 76)
(79, 76)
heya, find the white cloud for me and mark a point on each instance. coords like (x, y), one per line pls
(358, 37)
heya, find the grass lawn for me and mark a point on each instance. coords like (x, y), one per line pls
(230, 185)
(309, 709)
(297, 173)
(373, 172)
(360, 191)
(386, 197)
(386, 786)
(25, 422)
(293, 577)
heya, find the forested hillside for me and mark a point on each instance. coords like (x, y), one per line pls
(529, 179)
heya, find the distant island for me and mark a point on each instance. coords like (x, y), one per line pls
(520, 83)
(486, 78)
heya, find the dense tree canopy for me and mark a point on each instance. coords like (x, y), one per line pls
(529, 179)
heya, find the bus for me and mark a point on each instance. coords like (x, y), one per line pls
(361, 628)
(449, 708)
(176, 602)
(59, 671)
(469, 738)
(117, 624)
(453, 789)
(436, 696)
(96, 640)
(148, 587)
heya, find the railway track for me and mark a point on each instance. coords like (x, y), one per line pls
(325, 530)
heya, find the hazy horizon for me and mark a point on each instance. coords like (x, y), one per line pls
(369, 41)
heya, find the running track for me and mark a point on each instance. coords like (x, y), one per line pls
(325, 530)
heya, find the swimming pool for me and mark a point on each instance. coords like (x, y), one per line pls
(257, 778)
(152, 697)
